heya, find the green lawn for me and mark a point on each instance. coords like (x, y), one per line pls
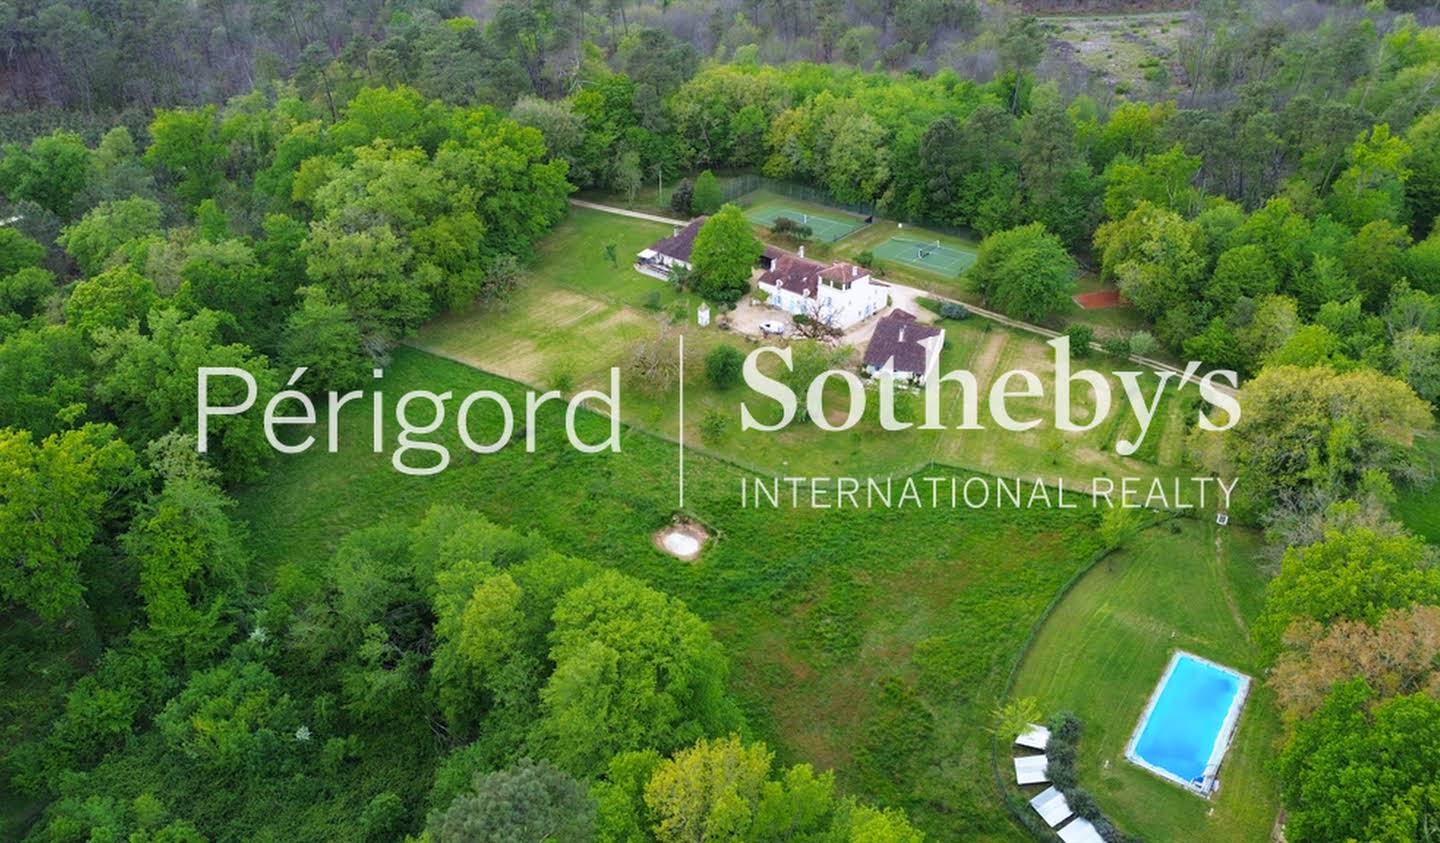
(576, 315)
(1419, 507)
(874, 641)
(1103, 649)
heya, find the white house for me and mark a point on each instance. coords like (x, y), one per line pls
(911, 349)
(839, 295)
(671, 251)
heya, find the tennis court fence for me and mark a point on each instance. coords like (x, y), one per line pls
(737, 186)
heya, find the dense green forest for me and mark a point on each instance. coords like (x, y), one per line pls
(275, 186)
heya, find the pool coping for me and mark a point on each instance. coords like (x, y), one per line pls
(1223, 737)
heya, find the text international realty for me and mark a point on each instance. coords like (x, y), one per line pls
(983, 492)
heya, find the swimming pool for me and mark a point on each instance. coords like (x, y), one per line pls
(1188, 724)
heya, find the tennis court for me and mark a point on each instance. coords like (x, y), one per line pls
(926, 254)
(825, 228)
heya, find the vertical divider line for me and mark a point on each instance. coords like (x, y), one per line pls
(681, 431)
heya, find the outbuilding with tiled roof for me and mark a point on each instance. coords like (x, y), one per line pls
(911, 348)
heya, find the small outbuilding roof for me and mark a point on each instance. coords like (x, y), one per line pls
(1034, 737)
(1030, 769)
(1080, 830)
(900, 338)
(1052, 806)
(681, 242)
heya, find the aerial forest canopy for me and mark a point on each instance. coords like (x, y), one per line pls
(276, 186)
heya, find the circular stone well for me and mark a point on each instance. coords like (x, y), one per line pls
(683, 539)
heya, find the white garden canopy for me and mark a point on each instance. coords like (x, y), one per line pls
(1051, 806)
(1080, 831)
(1034, 737)
(1031, 770)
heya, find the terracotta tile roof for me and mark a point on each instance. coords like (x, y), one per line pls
(841, 274)
(897, 337)
(794, 274)
(680, 244)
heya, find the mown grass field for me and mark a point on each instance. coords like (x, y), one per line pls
(874, 641)
(1183, 585)
(577, 315)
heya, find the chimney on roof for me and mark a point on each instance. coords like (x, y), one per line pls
(802, 250)
(901, 338)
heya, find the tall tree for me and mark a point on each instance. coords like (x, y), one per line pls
(724, 255)
(55, 497)
(706, 198)
(528, 802)
(1387, 756)
(1350, 423)
(1355, 574)
(1024, 272)
(51, 172)
(634, 668)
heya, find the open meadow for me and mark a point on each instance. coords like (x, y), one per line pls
(877, 641)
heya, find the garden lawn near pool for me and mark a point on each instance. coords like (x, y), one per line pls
(1188, 585)
(874, 641)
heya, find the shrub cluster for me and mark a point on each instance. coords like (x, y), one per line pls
(1060, 755)
(953, 310)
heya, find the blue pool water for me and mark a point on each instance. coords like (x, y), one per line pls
(1189, 718)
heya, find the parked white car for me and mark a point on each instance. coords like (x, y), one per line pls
(771, 326)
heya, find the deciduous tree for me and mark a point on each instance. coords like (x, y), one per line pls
(1024, 272)
(724, 255)
(54, 496)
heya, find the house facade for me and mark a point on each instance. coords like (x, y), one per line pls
(672, 251)
(839, 295)
(911, 349)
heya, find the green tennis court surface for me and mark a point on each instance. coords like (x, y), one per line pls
(926, 254)
(826, 228)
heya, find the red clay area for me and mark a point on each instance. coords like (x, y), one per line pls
(1099, 299)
